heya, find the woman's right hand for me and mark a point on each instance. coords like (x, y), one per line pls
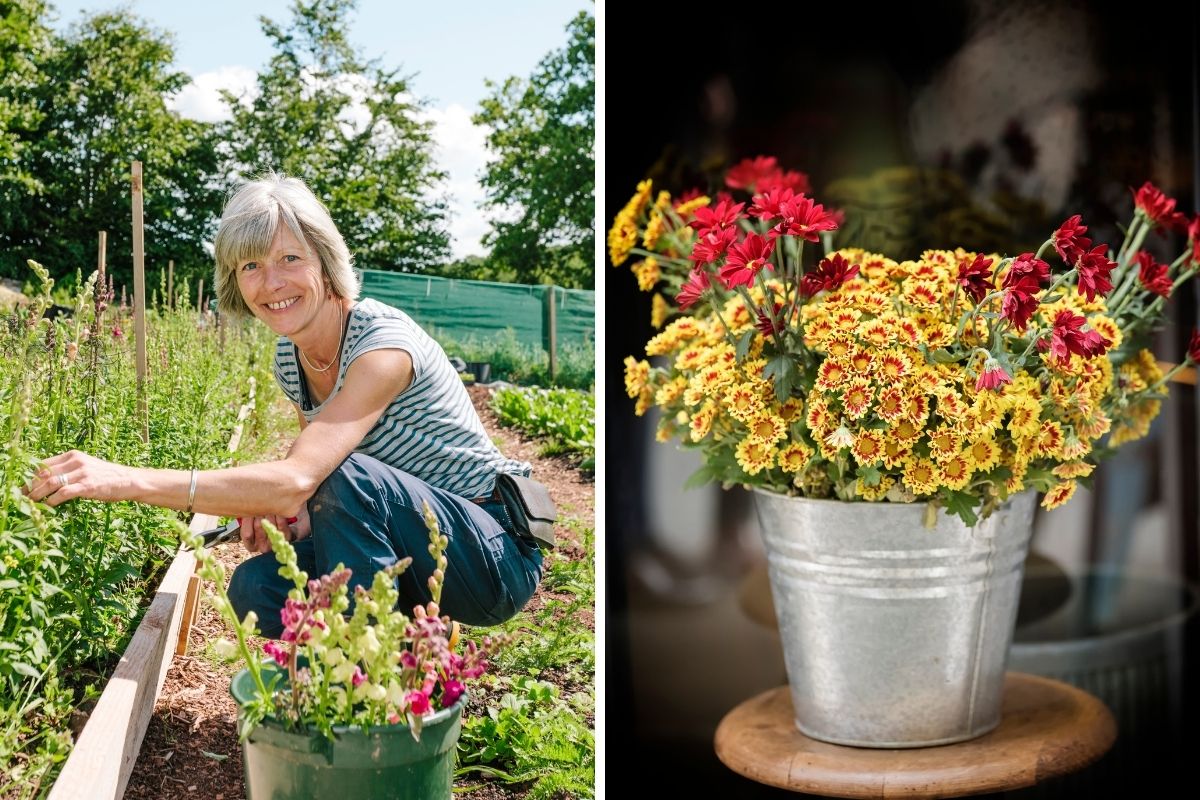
(255, 540)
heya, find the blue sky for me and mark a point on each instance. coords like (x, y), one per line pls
(450, 46)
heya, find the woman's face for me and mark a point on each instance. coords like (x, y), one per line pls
(285, 289)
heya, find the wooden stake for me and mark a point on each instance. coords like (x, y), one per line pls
(171, 284)
(551, 324)
(139, 299)
(200, 297)
(101, 255)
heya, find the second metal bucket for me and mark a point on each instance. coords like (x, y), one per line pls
(894, 635)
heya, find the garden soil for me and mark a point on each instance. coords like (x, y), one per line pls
(191, 748)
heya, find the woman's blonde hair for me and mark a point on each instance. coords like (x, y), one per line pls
(249, 223)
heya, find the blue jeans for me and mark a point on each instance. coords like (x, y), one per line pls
(367, 515)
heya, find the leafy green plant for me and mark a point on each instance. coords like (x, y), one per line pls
(73, 578)
(565, 418)
(533, 735)
(516, 362)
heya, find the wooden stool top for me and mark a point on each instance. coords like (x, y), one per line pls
(1048, 729)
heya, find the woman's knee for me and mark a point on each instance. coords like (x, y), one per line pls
(251, 588)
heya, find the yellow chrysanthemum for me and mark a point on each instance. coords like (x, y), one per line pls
(743, 402)
(654, 229)
(754, 456)
(621, 239)
(944, 442)
(955, 472)
(860, 361)
(857, 394)
(701, 422)
(907, 431)
(645, 402)
(691, 205)
(1059, 495)
(648, 273)
(895, 453)
(1024, 413)
(660, 309)
(790, 410)
(893, 366)
(831, 375)
(1074, 469)
(867, 448)
(920, 476)
(877, 332)
(984, 454)
(636, 375)
(670, 391)
(767, 428)
(795, 457)
(1049, 439)
(817, 417)
(1106, 327)
(890, 404)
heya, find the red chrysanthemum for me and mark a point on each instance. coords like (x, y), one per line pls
(745, 260)
(975, 278)
(1193, 353)
(724, 215)
(1193, 233)
(712, 245)
(1068, 336)
(1152, 275)
(1021, 284)
(829, 274)
(1069, 240)
(802, 216)
(1158, 207)
(765, 325)
(793, 180)
(692, 289)
(1094, 270)
(748, 172)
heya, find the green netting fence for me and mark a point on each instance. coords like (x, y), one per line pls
(549, 317)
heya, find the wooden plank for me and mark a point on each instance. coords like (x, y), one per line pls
(102, 760)
(1186, 375)
(139, 299)
(191, 605)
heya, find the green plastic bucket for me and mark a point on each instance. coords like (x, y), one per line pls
(381, 762)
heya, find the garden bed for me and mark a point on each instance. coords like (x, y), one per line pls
(191, 748)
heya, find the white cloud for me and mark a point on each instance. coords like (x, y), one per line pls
(462, 152)
(201, 99)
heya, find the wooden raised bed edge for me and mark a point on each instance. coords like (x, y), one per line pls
(103, 757)
(102, 760)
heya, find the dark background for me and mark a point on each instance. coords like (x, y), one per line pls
(830, 89)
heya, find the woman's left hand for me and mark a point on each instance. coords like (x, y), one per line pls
(75, 474)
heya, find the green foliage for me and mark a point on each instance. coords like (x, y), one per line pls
(351, 130)
(543, 139)
(101, 93)
(24, 39)
(73, 578)
(517, 362)
(565, 418)
(533, 735)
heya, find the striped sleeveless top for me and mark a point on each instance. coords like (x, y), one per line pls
(430, 430)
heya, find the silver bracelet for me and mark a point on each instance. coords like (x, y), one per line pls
(192, 491)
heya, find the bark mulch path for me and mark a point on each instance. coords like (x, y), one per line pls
(191, 748)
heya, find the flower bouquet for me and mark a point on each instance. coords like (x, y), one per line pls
(955, 378)
(362, 681)
(895, 418)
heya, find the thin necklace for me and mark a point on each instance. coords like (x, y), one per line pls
(336, 358)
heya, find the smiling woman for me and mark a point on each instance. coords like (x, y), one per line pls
(389, 428)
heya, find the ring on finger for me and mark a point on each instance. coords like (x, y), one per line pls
(63, 480)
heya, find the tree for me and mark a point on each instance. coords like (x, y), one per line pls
(24, 41)
(102, 106)
(542, 181)
(352, 131)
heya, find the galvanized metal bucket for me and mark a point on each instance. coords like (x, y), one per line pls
(894, 635)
